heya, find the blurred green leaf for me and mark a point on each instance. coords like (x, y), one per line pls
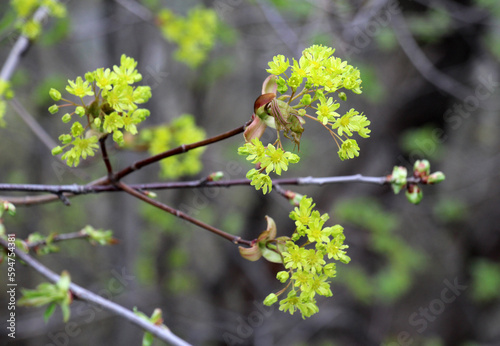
(422, 143)
(485, 280)
(450, 209)
(58, 31)
(431, 26)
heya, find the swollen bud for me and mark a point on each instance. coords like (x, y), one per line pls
(56, 151)
(342, 96)
(54, 94)
(80, 111)
(306, 100)
(66, 118)
(54, 109)
(270, 299)
(398, 178)
(435, 177)
(414, 193)
(89, 77)
(282, 276)
(216, 176)
(421, 168)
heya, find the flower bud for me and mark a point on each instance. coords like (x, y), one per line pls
(53, 109)
(89, 77)
(282, 276)
(414, 194)
(54, 94)
(66, 118)
(306, 100)
(421, 168)
(80, 111)
(65, 139)
(118, 137)
(342, 96)
(270, 299)
(435, 177)
(56, 151)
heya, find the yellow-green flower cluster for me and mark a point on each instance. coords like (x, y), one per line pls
(269, 158)
(323, 75)
(194, 34)
(25, 9)
(5, 94)
(113, 109)
(181, 131)
(307, 269)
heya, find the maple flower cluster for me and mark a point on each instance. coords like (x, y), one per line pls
(270, 158)
(307, 271)
(322, 75)
(194, 34)
(112, 110)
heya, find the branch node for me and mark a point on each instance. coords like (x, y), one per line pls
(63, 198)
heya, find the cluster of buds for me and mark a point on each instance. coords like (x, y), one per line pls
(421, 175)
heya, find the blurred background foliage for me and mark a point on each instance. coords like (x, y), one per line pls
(403, 256)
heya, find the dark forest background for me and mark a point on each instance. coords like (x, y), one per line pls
(420, 275)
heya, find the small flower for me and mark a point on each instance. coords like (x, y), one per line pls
(349, 149)
(326, 110)
(278, 66)
(275, 160)
(79, 88)
(76, 129)
(104, 78)
(294, 256)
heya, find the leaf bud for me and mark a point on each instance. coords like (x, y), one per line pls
(421, 168)
(414, 194)
(435, 177)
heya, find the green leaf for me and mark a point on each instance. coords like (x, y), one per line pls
(48, 312)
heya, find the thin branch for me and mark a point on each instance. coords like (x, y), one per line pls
(20, 47)
(72, 190)
(105, 157)
(423, 64)
(86, 189)
(232, 238)
(81, 293)
(179, 150)
(58, 238)
(78, 189)
(137, 9)
(42, 135)
(282, 29)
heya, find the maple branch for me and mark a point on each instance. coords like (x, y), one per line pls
(85, 295)
(232, 238)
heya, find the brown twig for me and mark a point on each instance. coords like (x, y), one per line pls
(175, 151)
(69, 192)
(234, 239)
